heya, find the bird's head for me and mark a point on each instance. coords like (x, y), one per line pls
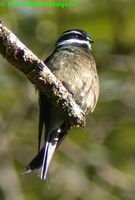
(75, 37)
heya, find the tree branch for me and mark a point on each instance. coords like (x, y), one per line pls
(37, 72)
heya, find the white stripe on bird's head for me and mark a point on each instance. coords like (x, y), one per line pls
(71, 31)
(75, 42)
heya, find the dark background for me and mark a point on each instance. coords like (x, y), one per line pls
(97, 162)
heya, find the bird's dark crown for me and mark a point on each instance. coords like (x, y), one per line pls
(75, 37)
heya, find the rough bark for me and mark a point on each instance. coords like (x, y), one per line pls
(37, 72)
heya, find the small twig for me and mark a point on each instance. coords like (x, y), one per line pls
(37, 72)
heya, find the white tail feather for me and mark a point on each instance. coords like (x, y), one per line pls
(48, 153)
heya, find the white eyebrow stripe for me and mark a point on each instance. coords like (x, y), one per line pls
(71, 41)
(77, 32)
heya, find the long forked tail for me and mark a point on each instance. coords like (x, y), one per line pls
(36, 162)
(43, 158)
(49, 150)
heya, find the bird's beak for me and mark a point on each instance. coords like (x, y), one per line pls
(89, 45)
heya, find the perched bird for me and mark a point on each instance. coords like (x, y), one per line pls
(72, 63)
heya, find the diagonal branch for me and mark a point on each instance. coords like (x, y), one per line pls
(37, 72)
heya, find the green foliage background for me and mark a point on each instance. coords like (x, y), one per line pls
(95, 163)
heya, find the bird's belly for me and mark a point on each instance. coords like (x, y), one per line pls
(82, 85)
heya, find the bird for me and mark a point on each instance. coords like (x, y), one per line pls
(73, 64)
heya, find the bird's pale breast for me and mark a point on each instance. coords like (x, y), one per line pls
(76, 69)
